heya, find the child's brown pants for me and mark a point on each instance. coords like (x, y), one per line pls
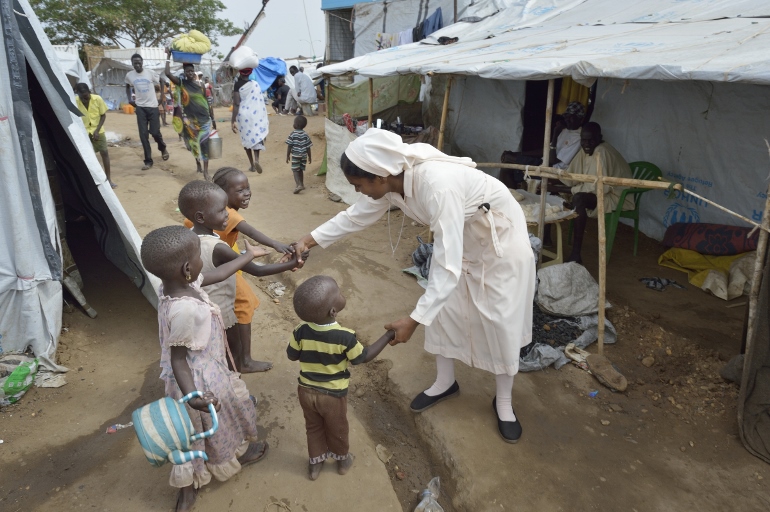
(326, 424)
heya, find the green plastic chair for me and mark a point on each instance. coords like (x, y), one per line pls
(641, 171)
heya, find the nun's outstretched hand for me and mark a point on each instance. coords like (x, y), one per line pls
(301, 247)
(404, 328)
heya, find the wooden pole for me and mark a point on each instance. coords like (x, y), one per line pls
(546, 162)
(444, 110)
(751, 327)
(328, 92)
(455, 11)
(371, 101)
(602, 252)
(552, 172)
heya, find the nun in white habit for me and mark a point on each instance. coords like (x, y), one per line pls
(478, 304)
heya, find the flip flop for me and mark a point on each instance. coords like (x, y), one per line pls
(164, 154)
(257, 167)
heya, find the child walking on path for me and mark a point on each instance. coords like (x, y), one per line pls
(298, 150)
(192, 342)
(204, 204)
(324, 349)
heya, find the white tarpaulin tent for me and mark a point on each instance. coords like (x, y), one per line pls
(69, 61)
(700, 130)
(30, 249)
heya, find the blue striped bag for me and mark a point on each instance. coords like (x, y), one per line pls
(165, 431)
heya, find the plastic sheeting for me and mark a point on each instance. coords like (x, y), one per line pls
(30, 261)
(72, 66)
(388, 92)
(337, 140)
(706, 136)
(392, 17)
(484, 118)
(545, 39)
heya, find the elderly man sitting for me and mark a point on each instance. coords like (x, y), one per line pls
(303, 94)
(594, 151)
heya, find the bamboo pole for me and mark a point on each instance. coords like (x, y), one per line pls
(552, 172)
(444, 110)
(751, 328)
(602, 252)
(546, 162)
(371, 101)
(328, 91)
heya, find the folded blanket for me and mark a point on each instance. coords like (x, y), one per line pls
(726, 277)
(192, 42)
(716, 239)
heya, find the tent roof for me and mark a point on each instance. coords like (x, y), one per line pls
(712, 40)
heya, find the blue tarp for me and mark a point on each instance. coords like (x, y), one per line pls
(269, 69)
(330, 5)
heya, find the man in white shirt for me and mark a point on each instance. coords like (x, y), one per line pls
(146, 104)
(302, 94)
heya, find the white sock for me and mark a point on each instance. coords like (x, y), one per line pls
(445, 376)
(503, 401)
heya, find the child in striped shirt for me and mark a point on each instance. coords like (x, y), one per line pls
(298, 151)
(324, 349)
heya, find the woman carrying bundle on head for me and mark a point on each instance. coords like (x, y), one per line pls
(249, 111)
(191, 114)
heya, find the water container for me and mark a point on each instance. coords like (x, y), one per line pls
(429, 498)
(215, 148)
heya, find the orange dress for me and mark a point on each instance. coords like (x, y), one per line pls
(246, 302)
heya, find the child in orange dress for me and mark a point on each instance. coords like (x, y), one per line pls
(236, 186)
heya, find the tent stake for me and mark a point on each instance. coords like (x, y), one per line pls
(371, 101)
(444, 110)
(546, 158)
(602, 252)
(751, 328)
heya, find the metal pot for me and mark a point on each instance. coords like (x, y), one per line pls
(215, 148)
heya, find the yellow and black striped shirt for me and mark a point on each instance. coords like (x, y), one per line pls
(324, 352)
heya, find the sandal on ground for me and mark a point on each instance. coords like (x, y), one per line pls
(146, 167)
(164, 154)
(257, 167)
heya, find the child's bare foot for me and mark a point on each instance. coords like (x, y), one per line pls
(344, 465)
(313, 470)
(251, 366)
(186, 498)
(255, 453)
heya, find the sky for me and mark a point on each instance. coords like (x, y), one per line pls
(284, 32)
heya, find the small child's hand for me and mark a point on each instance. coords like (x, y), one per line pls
(255, 250)
(300, 264)
(284, 248)
(235, 128)
(202, 403)
(287, 160)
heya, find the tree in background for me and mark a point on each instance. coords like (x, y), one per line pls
(129, 23)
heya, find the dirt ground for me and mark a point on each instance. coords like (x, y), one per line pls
(669, 443)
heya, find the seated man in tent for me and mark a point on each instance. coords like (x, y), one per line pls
(565, 144)
(594, 152)
(303, 95)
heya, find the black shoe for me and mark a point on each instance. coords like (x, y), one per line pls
(510, 431)
(423, 401)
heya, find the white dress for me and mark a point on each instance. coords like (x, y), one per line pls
(478, 305)
(253, 125)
